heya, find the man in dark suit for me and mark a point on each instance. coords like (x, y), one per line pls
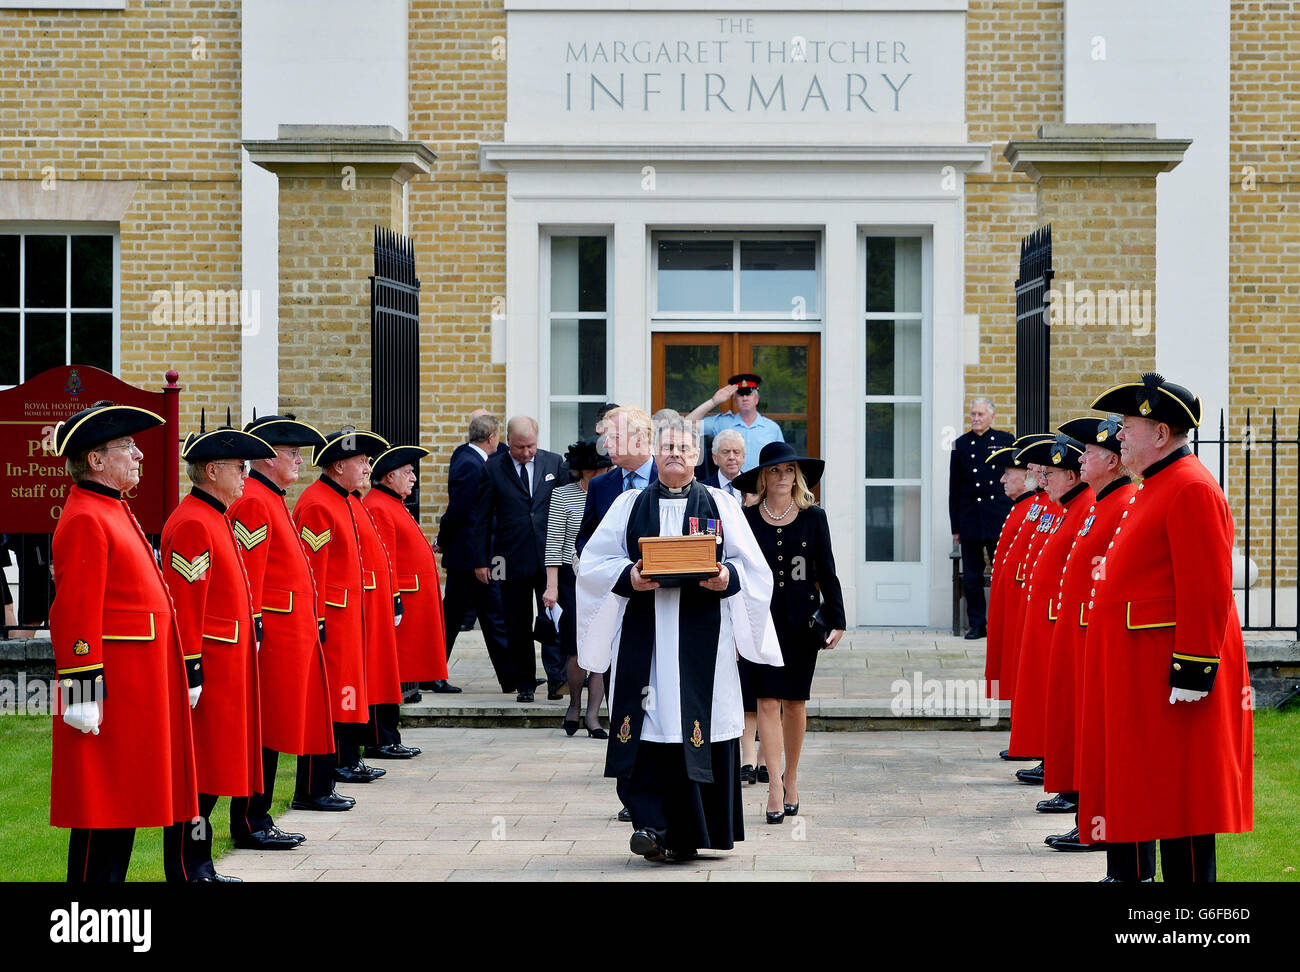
(457, 544)
(516, 495)
(977, 505)
(626, 431)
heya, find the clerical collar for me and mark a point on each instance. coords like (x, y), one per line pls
(265, 481)
(671, 492)
(387, 492)
(333, 485)
(1155, 467)
(1068, 497)
(1022, 497)
(1111, 486)
(206, 497)
(93, 487)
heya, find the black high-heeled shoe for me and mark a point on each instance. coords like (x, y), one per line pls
(597, 733)
(748, 774)
(570, 727)
(761, 776)
(775, 817)
(791, 809)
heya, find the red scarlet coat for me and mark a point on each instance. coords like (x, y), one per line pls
(205, 574)
(112, 620)
(421, 642)
(1065, 671)
(379, 584)
(1029, 709)
(1013, 562)
(1164, 615)
(328, 531)
(291, 663)
(1011, 527)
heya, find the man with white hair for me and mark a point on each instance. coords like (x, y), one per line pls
(729, 456)
(977, 506)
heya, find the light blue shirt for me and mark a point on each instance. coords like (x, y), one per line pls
(763, 431)
(640, 478)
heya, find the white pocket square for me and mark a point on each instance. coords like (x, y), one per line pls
(549, 477)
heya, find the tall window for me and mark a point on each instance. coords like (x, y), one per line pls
(893, 318)
(56, 302)
(579, 336)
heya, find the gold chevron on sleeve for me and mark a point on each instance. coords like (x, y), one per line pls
(191, 570)
(248, 539)
(315, 540)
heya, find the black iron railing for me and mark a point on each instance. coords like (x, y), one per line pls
(1033, 331)
(395, 345)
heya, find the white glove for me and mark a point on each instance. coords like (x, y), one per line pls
(1185, 695)
(194, 695)
(397, 620)
(84, 716)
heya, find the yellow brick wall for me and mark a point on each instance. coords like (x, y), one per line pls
(121, 96)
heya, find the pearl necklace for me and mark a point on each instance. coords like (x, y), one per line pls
(768, 510)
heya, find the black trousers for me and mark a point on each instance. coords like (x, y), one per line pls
(251, 814)
(349, 737)
(464, 591)
(315, 775)
(972, 578)
(1183, 860)
(187, 845)
(522, 600)
(99, 856)
(382, 729)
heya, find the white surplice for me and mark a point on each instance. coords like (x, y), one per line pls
(746, 622)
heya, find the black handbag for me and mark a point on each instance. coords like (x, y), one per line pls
(818, 630)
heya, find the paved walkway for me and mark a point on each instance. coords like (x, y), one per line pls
(531, 805)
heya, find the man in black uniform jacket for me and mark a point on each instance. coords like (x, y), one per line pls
(977, 505)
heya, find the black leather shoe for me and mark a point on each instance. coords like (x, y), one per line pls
(358, 773)
(554, 694)
(760, 775)
(270, 839)
(1077, 846)
(391, 751)
(571, 726)
(1057, 804)
(648, 844)
(597, 733)
(218, 879)
(444, 687)
(524, 697)
(330, 802)
(775, 817)
(1072, 835)
(1006, 754)
(791, 809)
(678, 856)
(975, 634)
(413, 750)
(625, 815)
(1032, 776)
(748, 774)
(350, 801)
(298, 838)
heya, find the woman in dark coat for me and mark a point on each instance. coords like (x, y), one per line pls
(807, 607)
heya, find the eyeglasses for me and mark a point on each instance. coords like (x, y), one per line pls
(242, 465)
(128, 445)
(289, 453)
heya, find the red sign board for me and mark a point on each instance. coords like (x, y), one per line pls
(35, 483)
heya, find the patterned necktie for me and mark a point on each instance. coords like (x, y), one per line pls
(523, 478)
(629, 481)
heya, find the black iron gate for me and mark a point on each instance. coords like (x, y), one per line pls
(395, 345)
(1033, 331)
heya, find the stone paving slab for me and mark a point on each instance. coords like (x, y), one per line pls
(528, 804)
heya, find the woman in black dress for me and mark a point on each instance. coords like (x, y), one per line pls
(807, 607)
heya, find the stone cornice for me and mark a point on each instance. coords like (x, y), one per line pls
(1107, 151)
(400, 161)
(504, 156)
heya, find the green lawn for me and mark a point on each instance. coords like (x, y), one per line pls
(1271, 852)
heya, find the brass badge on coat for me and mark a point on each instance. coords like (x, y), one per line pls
(697, 737)
(625, 730)
(81, 648)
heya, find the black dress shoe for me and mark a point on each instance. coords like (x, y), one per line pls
(218, 879)
(524, 697)
(444, 687)
(391, 751)
(1077, 846)
(1072, 835)
(791, 809)
(413, 750)
(1032, 776)
(775, 817)
(330, 802)
(358, 773)
(1058, 804)
(597, 733)
(975, 634)
(647, 843)
(625, 815)
(554, 695)
(748, 774)
(761, 776)
(298, 838)
(1006, 754)
(270, 839)
(571, 726)
(678, 856)
(351, 801)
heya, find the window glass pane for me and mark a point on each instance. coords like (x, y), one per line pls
(690, 374)
(894, 274)
(695, 275)
(795, 432)
(578, 273)
(46, 270)
(778, 275)
(46, 343)
(578, 357)
(92, 271)
(8, 349)
(784, 370)
(894, 357)
(894, 523)
(92, 340)
(9, 271)
(894, 441)
(571, 421)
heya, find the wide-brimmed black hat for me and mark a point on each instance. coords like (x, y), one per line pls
(100, 423)
(773, 454)
(1098, 432)
(583, 454)
(1059, 452)
(395, 458)
(346, 443)
(1004, 458)
(1154, 398)
(284, 430)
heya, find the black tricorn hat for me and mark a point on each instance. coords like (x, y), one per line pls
(1004, 458)
(100, 423)
(224, 442)
(1059, 452)
(1029, 438)
(1154, 398)
(583, 454)
(395, 458)
(773, 454)
(346, 443)
(1098, 432)
(284, 430)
